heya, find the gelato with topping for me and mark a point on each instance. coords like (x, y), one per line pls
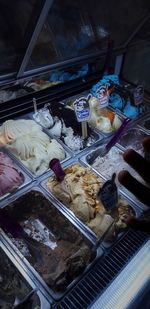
(78, 191)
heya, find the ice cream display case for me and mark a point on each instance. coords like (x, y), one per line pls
(73, 81)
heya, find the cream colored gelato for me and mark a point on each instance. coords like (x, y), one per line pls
(103, 119)
(30, 144)
(78, 191)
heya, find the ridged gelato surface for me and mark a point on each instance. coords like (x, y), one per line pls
(30, 144)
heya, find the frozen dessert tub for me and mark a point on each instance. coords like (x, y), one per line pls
(12, 176)
(113, 162)
(15, 283)
(144, 123)
(132, 138)
(32, 175)
(77, 195)
(60, 123)
(55, 253)
(104, 121)
(32, 147)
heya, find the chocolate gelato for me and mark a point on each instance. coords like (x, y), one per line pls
(59, 252)
(12, 285)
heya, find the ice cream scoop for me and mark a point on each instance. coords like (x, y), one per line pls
(108, 194)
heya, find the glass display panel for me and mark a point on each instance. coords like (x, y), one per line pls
(77, 28)
(137, 60)
(17, 19)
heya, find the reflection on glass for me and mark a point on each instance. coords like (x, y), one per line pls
(15, 19)
(69, 32)
(76, 28)
(137, 61)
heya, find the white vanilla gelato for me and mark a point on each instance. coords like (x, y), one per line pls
(30, 144)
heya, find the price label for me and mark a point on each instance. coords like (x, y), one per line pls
(102, 94)
(82, 109)
(138, 94)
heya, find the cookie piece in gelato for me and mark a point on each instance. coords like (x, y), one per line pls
(10, 178)
(26, 140)
(61, 252)
(78, 191)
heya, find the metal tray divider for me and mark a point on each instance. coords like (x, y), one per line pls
(13, 257)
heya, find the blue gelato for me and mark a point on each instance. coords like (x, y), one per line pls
(116, 101)
(108, 80)
(66, 76)
(121, 96)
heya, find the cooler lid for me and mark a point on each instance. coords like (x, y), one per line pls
(38, 35)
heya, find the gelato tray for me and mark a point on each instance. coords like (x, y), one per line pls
(15, 285)
(104, 120)
(60, 122)
(27, 142)
(145, 123)
(111, 163)
(79, 193)
(132, 138)
(12, 177)
(54, 250)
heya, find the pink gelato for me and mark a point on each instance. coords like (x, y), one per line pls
(10, 177)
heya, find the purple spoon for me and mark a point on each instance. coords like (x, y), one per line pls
(102, 151)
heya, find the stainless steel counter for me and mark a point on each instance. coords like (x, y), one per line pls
(126, 290)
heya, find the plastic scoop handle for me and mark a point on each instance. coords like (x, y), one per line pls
(55, 166)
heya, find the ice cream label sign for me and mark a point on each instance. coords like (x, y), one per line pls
(82, 109)
(103, 95)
